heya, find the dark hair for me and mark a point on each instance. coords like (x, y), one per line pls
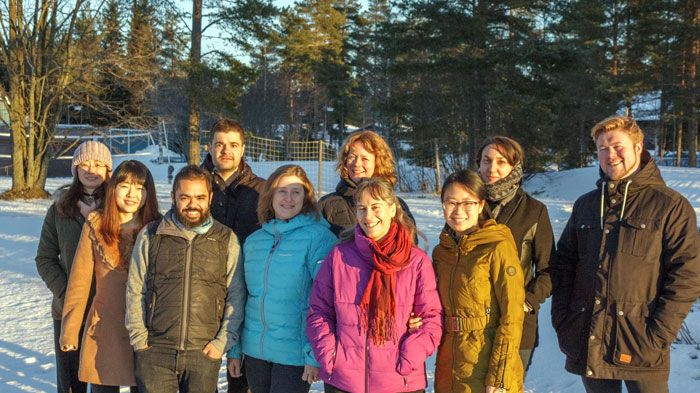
(472, 181)
(192, 172)
(135, 172)
(508, 147)
(67, 203)
(227, 125)
(265, 209)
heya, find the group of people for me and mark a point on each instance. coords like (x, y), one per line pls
(294, 290)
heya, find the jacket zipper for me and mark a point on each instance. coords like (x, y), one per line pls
(367, 361)
(185, 297)
(262, 298)
(452, 302)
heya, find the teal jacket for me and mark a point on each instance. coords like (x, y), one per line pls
(280, 262)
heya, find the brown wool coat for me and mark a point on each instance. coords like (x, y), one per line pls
(106, 357)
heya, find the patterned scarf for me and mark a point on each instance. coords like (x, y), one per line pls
(378, 303)
(505, 187)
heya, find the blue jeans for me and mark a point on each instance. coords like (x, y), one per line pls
(161, 370)
(268, 377)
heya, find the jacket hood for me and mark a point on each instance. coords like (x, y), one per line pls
(647, 175)
(275, 226)
(346, 187)
(490, 232)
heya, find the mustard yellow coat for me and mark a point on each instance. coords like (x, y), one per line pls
(106, 356)
(481, 288)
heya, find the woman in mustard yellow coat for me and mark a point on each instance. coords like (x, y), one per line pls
(481, 288)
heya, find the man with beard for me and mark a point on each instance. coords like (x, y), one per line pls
(626, 270)
(185, 292)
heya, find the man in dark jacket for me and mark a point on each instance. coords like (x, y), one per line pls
(236, 188)
(235, 200)
(185, 293)
(626, 270)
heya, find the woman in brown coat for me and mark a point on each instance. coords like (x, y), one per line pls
(104, 251)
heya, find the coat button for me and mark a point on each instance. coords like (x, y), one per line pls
(611, 185)
(583, 309)
(592, 338)
(589, 373)
(607, 231)
(620, 313)
(643, 226)
(597, 301)
(613, 200)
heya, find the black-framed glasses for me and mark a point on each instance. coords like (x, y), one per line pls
(465, 205)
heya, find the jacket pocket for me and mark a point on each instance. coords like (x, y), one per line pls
(632, 341)
(572, 332)
(586, 238)
(637, 236)
(150, 308)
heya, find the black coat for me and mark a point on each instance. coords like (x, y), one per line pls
(236, 205)
(528, 220)
(624, 281)
(338, 208)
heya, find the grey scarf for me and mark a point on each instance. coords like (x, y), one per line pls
(505, 187)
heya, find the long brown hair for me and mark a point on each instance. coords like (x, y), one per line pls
(266, 211)
(135, 172)
(67, 203)
(384, 163)
(381, 189)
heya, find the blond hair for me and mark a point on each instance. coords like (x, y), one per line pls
(625, 124)
(267, 212)
(384, 163)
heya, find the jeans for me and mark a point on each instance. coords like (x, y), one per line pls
(67, 365)
(615, 386)
(268, 377)
(332, 389)
(237, 385)
(161, 370)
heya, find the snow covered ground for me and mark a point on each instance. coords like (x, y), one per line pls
(26, 338)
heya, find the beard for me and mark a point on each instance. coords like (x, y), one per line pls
(188, 222)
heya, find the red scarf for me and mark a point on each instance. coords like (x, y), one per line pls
(378, 304)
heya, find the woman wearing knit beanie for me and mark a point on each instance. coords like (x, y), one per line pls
(91, 168)
(501, 168)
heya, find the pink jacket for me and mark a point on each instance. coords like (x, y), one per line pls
(348, 359)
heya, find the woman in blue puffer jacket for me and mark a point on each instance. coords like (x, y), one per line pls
(280, 261)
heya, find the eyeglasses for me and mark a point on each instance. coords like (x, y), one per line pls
(450, 206)
(86, 166)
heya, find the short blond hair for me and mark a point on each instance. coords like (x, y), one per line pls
(625, 124)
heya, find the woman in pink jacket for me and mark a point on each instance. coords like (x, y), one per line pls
(362, 297)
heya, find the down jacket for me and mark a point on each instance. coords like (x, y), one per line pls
(625, 274)
(106, 357)
(481, 288)
(280, 261)
(348, 359)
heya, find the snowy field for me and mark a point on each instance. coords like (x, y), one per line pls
(26, 338)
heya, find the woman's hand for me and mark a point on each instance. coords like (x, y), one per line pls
(414, 322)
(310, 374)
(234, 367)
(493, 389)
(68, 348)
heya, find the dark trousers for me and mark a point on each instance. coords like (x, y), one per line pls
(109, 389)
(268, 377)
(161, 370)
(237, 385)
(67, 365)
(332, 389)
(615, 386)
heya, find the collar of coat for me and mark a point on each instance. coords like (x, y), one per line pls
(276, 226)
(243, 175)
(489, 232)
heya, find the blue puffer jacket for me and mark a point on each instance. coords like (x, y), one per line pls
(280, 261)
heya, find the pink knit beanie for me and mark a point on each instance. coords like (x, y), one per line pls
(91, 150)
